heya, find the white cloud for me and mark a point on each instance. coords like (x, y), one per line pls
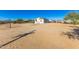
(3, 18)
(55, 18)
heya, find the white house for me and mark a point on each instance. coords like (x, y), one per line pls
(39, 20)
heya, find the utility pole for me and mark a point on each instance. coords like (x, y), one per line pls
(9, 23)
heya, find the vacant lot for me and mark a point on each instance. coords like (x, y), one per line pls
(46, 36)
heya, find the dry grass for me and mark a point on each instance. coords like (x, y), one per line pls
(46, 36)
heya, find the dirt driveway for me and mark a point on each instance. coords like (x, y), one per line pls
(46, 36)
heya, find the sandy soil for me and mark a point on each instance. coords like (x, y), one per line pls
(46, 36)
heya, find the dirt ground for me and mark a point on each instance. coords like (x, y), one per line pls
(45, 36)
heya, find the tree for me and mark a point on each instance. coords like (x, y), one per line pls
(19, 21)
(46, 20)
(73, 17)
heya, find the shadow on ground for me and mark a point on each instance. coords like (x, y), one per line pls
(18, 37)
(73, 34)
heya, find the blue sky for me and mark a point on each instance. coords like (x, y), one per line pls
(31, 14)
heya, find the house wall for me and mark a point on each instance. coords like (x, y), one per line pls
(39, 21)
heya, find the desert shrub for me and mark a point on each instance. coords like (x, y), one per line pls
(73, 17)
